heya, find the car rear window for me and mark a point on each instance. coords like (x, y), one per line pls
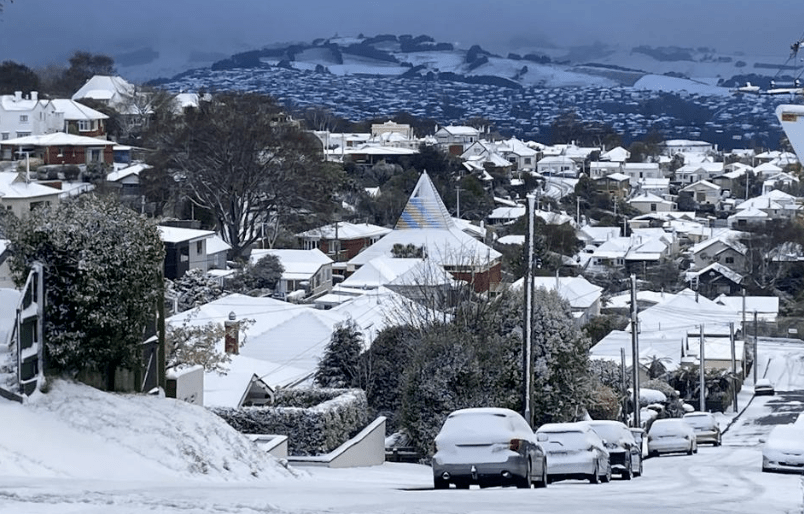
(667, 427)
(478, 422)
(610, 433)
(700, 421)
(555, 440)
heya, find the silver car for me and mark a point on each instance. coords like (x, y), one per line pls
(624, 452)
(488, 447)
(574, 451)
(671, 435)
(705, 426)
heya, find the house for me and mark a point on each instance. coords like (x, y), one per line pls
(503, 215)
(646, 252)
(703, 193)
(766, 307)
(80, 119)
(114, 91)
(59, 148)
(583, 296)
(307, 273)
(342, 240)
(126, 179)
(19, 195)
(596, 236)
(557, 166)
(217, 252)
(648, 202)
(675, 146)
(638, 171)
(746, 217)
(779, 180)
(520, 155)
(456, 139)
(691, 173)
(610, 254)
(715, 280)
(599, 169)
(656, 186)
(367, 155)
(185, 249)
(723, 249)
(20, 117)
(776, 204)
(425, 225)
(617, 154)
(616, 184)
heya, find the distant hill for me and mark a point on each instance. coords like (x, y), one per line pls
(407, 56)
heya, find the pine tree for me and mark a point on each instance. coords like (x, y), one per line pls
(339, 367)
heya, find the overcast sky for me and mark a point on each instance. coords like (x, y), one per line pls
(38, 32)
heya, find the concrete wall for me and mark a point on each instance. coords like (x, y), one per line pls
(365, 449)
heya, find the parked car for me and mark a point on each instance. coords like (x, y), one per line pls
(574, 451)
(671, 435)
(488, 447)
(764, 386)
(705, 426)
(624, 453)
(784, 449)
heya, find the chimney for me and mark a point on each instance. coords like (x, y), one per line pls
(35, 96)
(231, 339)
(17, 96)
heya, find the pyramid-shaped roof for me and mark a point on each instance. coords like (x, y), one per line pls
(425, 209)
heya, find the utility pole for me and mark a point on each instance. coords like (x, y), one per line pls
(528, 318)
(702, 360)
(733, 362)
(744, 330)
(623, 381)
(458, 201)
(756, 356)
(635, 351)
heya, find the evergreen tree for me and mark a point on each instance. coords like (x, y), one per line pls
(102, 266)
(339, 367)
(17, 77)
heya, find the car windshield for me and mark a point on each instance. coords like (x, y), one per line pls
(561, 441)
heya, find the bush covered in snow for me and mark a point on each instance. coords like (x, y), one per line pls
(316, 421)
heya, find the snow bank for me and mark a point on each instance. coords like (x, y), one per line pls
(80, 432)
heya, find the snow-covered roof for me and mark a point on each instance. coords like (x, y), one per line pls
(298, 264)
(767, 307)
(216, 244)
(379, 271)
(177, 234)
(507, 213)
(618, 154)
(716, 267)
(701, 184)
(579, 292)
(14, 186)
(345, 230)
(56, 139)
(664, 346)
(648, 198)
(120, 174)
(74, 111)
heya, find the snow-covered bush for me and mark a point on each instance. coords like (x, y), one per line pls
(316, 421)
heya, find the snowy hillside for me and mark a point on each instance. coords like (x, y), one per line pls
(75, 431)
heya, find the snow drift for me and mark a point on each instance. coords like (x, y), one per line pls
(132, 438)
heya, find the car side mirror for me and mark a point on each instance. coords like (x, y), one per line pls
(542, 438)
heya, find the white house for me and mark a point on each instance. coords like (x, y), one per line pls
(456, 139)
(704, 193)
(557, 166)
(307, 273)
(649, 202)
(638, 171)
(21, 117)
(19, 195)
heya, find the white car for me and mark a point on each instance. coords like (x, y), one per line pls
(487, 447)
(574, 451)
(784, 449)
(671, 435)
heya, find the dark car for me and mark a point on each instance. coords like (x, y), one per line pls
(624, 452)
(488, 447)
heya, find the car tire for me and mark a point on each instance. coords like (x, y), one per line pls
(524, 482)
(461, 484)
(654, 453)
(628, 474)
(439, 483)
(719, 441)
(690, 451)
(544, 481)
(607, 477)
(595, 477)
(641, 470)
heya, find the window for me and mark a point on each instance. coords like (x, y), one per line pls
(23, 134)
(85, 125)
(700, 197)
(729, 260)
(334, 247)
(23, 118)
(309, 244)
(653, 207)
(527, 160)
(199, 247)
(4, 136)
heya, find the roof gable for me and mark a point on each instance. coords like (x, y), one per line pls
(425, 209)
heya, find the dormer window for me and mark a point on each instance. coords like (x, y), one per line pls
(23, 118)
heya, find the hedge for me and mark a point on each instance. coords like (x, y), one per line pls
(316, 421)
